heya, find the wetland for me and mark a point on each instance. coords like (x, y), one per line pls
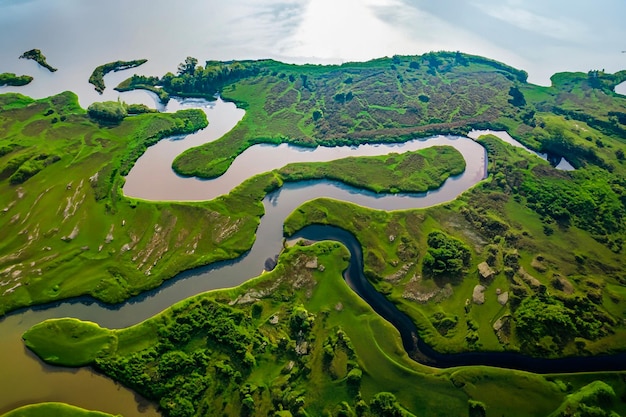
(297, 340)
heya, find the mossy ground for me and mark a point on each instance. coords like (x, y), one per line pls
(68, 231)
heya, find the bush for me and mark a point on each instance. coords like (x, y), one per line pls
(446, 255)
(108, 111)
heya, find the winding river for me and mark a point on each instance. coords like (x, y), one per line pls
(25, 379)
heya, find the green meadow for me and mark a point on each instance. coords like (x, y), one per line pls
(530, 260)
(298, 341)
(70, 231)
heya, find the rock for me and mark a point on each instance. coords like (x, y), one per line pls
(312, 264)
(270, 263)
(485, 271)
(529, 279)
(538, 265)
(478, 295)
(503, 298)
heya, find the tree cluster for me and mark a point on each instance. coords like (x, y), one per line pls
(446, 255)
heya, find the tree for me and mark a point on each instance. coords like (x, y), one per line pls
(517, 97)
(384, 404)
(188, 67)
(108, 111)
(445, 255)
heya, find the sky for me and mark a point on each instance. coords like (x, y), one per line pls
(541, 37)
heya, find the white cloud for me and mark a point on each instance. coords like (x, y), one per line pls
(515, 13)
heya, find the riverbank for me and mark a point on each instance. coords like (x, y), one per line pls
(320, 334)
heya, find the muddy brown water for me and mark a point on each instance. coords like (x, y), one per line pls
(25, 379)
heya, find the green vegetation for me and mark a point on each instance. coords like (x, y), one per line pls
(53, 409)
(531, 260)
(536, 277)
(100, 243)
(591, 400)
(8, 78)
(298, 341)
(97, 76)
(411, 172)
(445, 255)
(67, 229)
(108, 111)
(69, 342)
(549, 280)
(383, 100)
(38, 57)
(144, 83)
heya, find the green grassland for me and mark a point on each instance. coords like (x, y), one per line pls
(69, 231)
(297, 340)
(396, 99)
(413, 172)
(545, 264)
(53, 409)
(383, 100)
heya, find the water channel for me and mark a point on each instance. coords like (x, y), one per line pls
(26, 380)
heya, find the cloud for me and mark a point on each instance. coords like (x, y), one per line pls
(514, 13)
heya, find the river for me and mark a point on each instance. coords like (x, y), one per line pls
(25, 379)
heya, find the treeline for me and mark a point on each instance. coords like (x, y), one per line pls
(115, 111)
(97, 76)
(192, 79)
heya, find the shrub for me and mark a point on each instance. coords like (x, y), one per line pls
(107, 111)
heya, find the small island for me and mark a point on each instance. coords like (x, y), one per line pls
(8, 78)
(97, 76)
(37, 56)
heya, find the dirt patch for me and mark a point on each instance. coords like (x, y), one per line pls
(562, 284)
(423, 291)
(529, 279)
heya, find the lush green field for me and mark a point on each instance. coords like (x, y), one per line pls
(546, 267)
(545, 246)
(396, 99)
(70, 231)
(297, 339)
(53, 409)
(414, 172)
